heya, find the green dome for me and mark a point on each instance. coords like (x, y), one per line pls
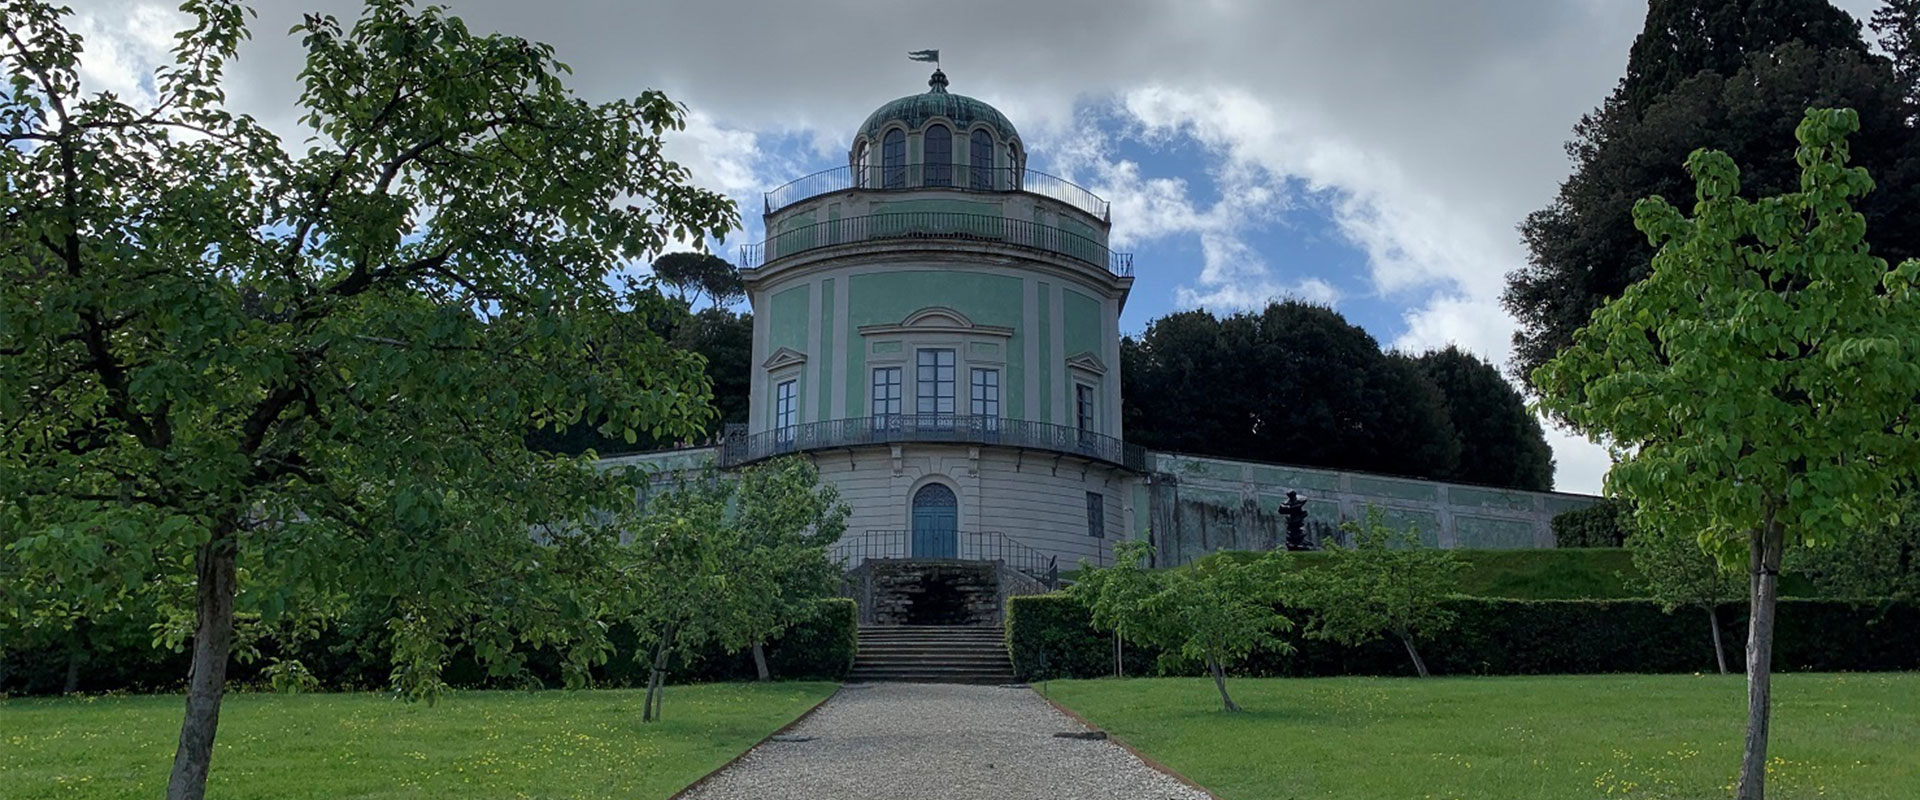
(915, 109)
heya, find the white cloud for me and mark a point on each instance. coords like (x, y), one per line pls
(123, 45)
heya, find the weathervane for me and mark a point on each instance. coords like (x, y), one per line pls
(926, 55)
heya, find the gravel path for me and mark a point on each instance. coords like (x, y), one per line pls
(904, 741)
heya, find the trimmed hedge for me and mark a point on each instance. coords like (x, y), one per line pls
(351, 657)
(1051, 636)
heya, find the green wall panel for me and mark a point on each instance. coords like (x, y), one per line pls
(1489, 498)
(880, 298)
(1049, 360)
(1399, 490)
(1081, 325)
(823, 361)
(787, 320)
(1296, 479)
(1493, 534)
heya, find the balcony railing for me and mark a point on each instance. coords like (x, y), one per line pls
(937, 176)
(936, 225)
(852, 549)
(739, 447)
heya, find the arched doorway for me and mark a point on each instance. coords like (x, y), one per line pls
(936, 522)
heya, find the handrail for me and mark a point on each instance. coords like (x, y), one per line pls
(737, 447)
(938, 176)
(852, 549)
(936, 225)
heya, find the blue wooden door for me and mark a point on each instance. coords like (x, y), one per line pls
(936, 522)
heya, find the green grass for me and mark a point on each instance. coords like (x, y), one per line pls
(1641, 737)
(474, 745)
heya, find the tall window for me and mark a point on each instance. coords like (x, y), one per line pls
(786, 401)
(980, 161)
(886, 393)
(860, 165)
(893, 160)
(1096, 515)
(986, 395)
(933, 383)
(1083, 409)
(937, 149)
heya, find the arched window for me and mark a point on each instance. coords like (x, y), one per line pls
(938, 147)
(860, 165)
(980, 160)
(1015, 166)
(893, 159)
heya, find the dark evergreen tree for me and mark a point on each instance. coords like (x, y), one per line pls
(1501, 442)
(1898, 25)
(1734, 75)
(1295, 383)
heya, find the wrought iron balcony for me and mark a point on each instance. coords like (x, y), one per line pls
(936, 225)
(937, 176)
(852, 549)
(739, 447)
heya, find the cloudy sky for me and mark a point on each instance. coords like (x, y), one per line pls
(1370, 154)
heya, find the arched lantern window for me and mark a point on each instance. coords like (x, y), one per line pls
(938, 148)
(860, 165)
(1014, 164)
(893, 159)
(980, 160)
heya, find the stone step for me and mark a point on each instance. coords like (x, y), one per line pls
(983, 659)
(989, 677)
(935, 647)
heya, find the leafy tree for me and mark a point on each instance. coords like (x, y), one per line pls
(1898, 24)
(785, 520)
(1677, 573)
(1730, 74)
(1603, 524)
(1384, 582)
(1880, 562)
(700, 277)
(1217, 610)
(1758, 386)
(724, 340)
(225, 365)
(1311, 389)
(1501, 443)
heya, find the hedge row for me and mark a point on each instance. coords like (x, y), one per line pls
(1051, 636)
(350, 658)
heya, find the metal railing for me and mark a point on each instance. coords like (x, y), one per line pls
(852, 549)
(739, 447)
(936, 225)
(938, 176)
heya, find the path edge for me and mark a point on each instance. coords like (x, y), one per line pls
(791, 724)
(1135, 752)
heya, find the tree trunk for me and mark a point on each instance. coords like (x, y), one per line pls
(207, 678)
(1119, 656)
(650, 709)
(760, 663)
(74, 656)
(1764, 548)
(1719, 650)
(1419, 665)
(1220, 682)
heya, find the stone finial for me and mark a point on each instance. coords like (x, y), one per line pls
(938, 82)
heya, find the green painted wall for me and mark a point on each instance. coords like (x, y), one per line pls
(1049, 360)
(1080, 317)
(823, 360)
(787, 320)
(949, 205)
(879, 298)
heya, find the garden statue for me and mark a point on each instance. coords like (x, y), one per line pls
(1295, 510)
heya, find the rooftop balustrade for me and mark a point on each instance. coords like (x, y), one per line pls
(936, 225)
(937, 176)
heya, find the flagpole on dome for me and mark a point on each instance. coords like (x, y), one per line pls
(938, 83)
(925, 55)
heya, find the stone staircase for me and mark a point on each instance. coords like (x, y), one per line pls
(932, 654)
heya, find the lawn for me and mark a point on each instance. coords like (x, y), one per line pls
(473, 745)
(1642, 737)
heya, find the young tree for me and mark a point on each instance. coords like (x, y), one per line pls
(1758, 386)
(1385, 582)
(1677, 573)
(784, 519)
(1216, 610)
(673, 575)
(222, 359)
